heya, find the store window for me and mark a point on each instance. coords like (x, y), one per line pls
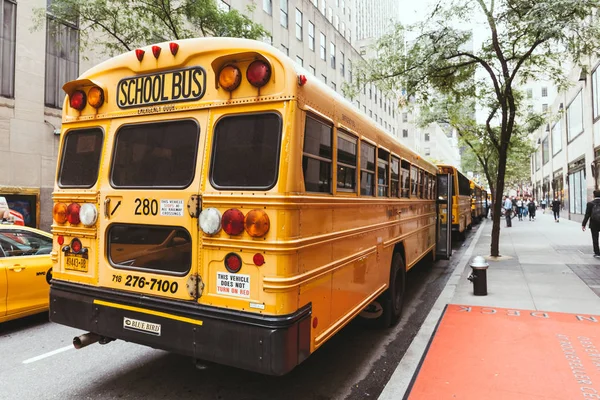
(575, 117)
(556, 138)
(577, 187)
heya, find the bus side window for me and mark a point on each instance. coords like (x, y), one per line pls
(421, 183)
(414, 181)
(316, 160)
(346, 162)
(367, 169)
(383, 173)
(405, 178)
(425, 186)
(395, 177)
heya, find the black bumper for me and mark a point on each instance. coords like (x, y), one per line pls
(271, 345)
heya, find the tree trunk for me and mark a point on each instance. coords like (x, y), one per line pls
(495, 246)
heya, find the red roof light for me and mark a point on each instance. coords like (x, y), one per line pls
(156, 51)
(77, 100)
(258, 73)
(174, 47)
(139, 53)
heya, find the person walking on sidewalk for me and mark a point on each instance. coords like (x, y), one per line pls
(508, 206)
(543, 204)
(520, 208)
(531, 209)
(592, 213)
(556, 209)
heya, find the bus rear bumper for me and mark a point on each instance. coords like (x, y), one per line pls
(271, 345)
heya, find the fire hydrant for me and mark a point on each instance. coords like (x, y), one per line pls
(479, 276)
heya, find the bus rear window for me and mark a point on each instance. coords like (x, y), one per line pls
(150, 155)
(80, 158)
(245, 152)
(165, 249)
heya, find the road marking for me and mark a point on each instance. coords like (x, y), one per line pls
(49, 354)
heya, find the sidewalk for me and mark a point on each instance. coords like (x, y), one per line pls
(535, 335)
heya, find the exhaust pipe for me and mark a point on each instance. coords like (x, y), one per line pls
(81, 341)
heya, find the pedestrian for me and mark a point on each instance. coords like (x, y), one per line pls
(531, 209)
(556, 209)
(508, 207)
(520, 208)
(592, 212)
(543, 204)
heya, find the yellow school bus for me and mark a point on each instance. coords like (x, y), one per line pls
(477, 201)
(461, 199)
(215, 200)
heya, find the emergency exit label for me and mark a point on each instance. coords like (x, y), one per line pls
(171, 208)
(233, 284)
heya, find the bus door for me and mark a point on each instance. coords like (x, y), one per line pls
(444, 212)
(150, 206)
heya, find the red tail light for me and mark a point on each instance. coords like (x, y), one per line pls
(233, 262)
(60, 240)
(76, 246)
(174, 47)
(77, 100)
(233, 222)
(73, 213)
(258, 259)
(156, 51)
(258, 73)
(302, 80)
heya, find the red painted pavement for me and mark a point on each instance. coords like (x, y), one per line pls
(498, 353)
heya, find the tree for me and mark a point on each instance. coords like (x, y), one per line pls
(527, 39)
(123, 25)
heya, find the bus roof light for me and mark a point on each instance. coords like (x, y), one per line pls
(258, 73)
(233, 222)
(139, 53)
(156, 51)
(302, 80)
(174, 47)
(230, 78)
(77, 100)
(96, 97)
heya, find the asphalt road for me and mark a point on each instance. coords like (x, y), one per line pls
(37, 360)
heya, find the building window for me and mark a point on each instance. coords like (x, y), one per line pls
(544, 107)
(427, 137)
(322, 40)
(337, 22)
(333, 86)
(330, 15)
(342, 69)
(312, 70)
(529, 93)
(575, 117)
(223, 6)
(300, 61)
(323, 7)
(315, 3)
(343, 29)
(332, 54)
(324, 78)
(285, 50)
(298, 24)
(405, 133)
(8, 13)
(268, 6)
(556, 138)
(311, 36)
(404, 117)
(62, 59)
(545, 151)
(350, 70)
(364, 109)
(595, 95)
(544, 92)
(427, 151)
(283, 17)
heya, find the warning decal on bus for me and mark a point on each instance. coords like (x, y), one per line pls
(233, 284)
(171, 208)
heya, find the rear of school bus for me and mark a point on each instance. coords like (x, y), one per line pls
(168, 213)
(461, 200)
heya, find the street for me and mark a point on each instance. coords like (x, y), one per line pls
(39, 362)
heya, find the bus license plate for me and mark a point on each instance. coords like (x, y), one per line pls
(141, 326)
(76, 264)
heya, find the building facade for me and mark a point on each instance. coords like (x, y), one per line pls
(566, 163)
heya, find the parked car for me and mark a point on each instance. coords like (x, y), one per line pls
(25, 271)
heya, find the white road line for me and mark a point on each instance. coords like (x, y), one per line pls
(49, 354)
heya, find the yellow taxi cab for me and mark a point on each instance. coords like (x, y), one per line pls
(25, 271)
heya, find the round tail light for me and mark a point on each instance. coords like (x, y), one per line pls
(76, 246)
(59, 213)
(257, 223)
(88, 215)
(77, 100)
(233, 262)
(96, 97)
(230, 78)
(258, 73)
(73, 213)
(258, 259)
(233, 222)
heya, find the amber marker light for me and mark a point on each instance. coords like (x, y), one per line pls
(96, 97)
(59, 213)
(230, 78)
(257, 223)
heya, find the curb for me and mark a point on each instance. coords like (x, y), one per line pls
(402, 377)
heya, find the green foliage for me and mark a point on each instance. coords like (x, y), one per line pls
(123, 25)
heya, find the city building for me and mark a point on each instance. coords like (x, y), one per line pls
(566, 163)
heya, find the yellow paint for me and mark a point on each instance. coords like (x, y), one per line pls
(150, 312)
